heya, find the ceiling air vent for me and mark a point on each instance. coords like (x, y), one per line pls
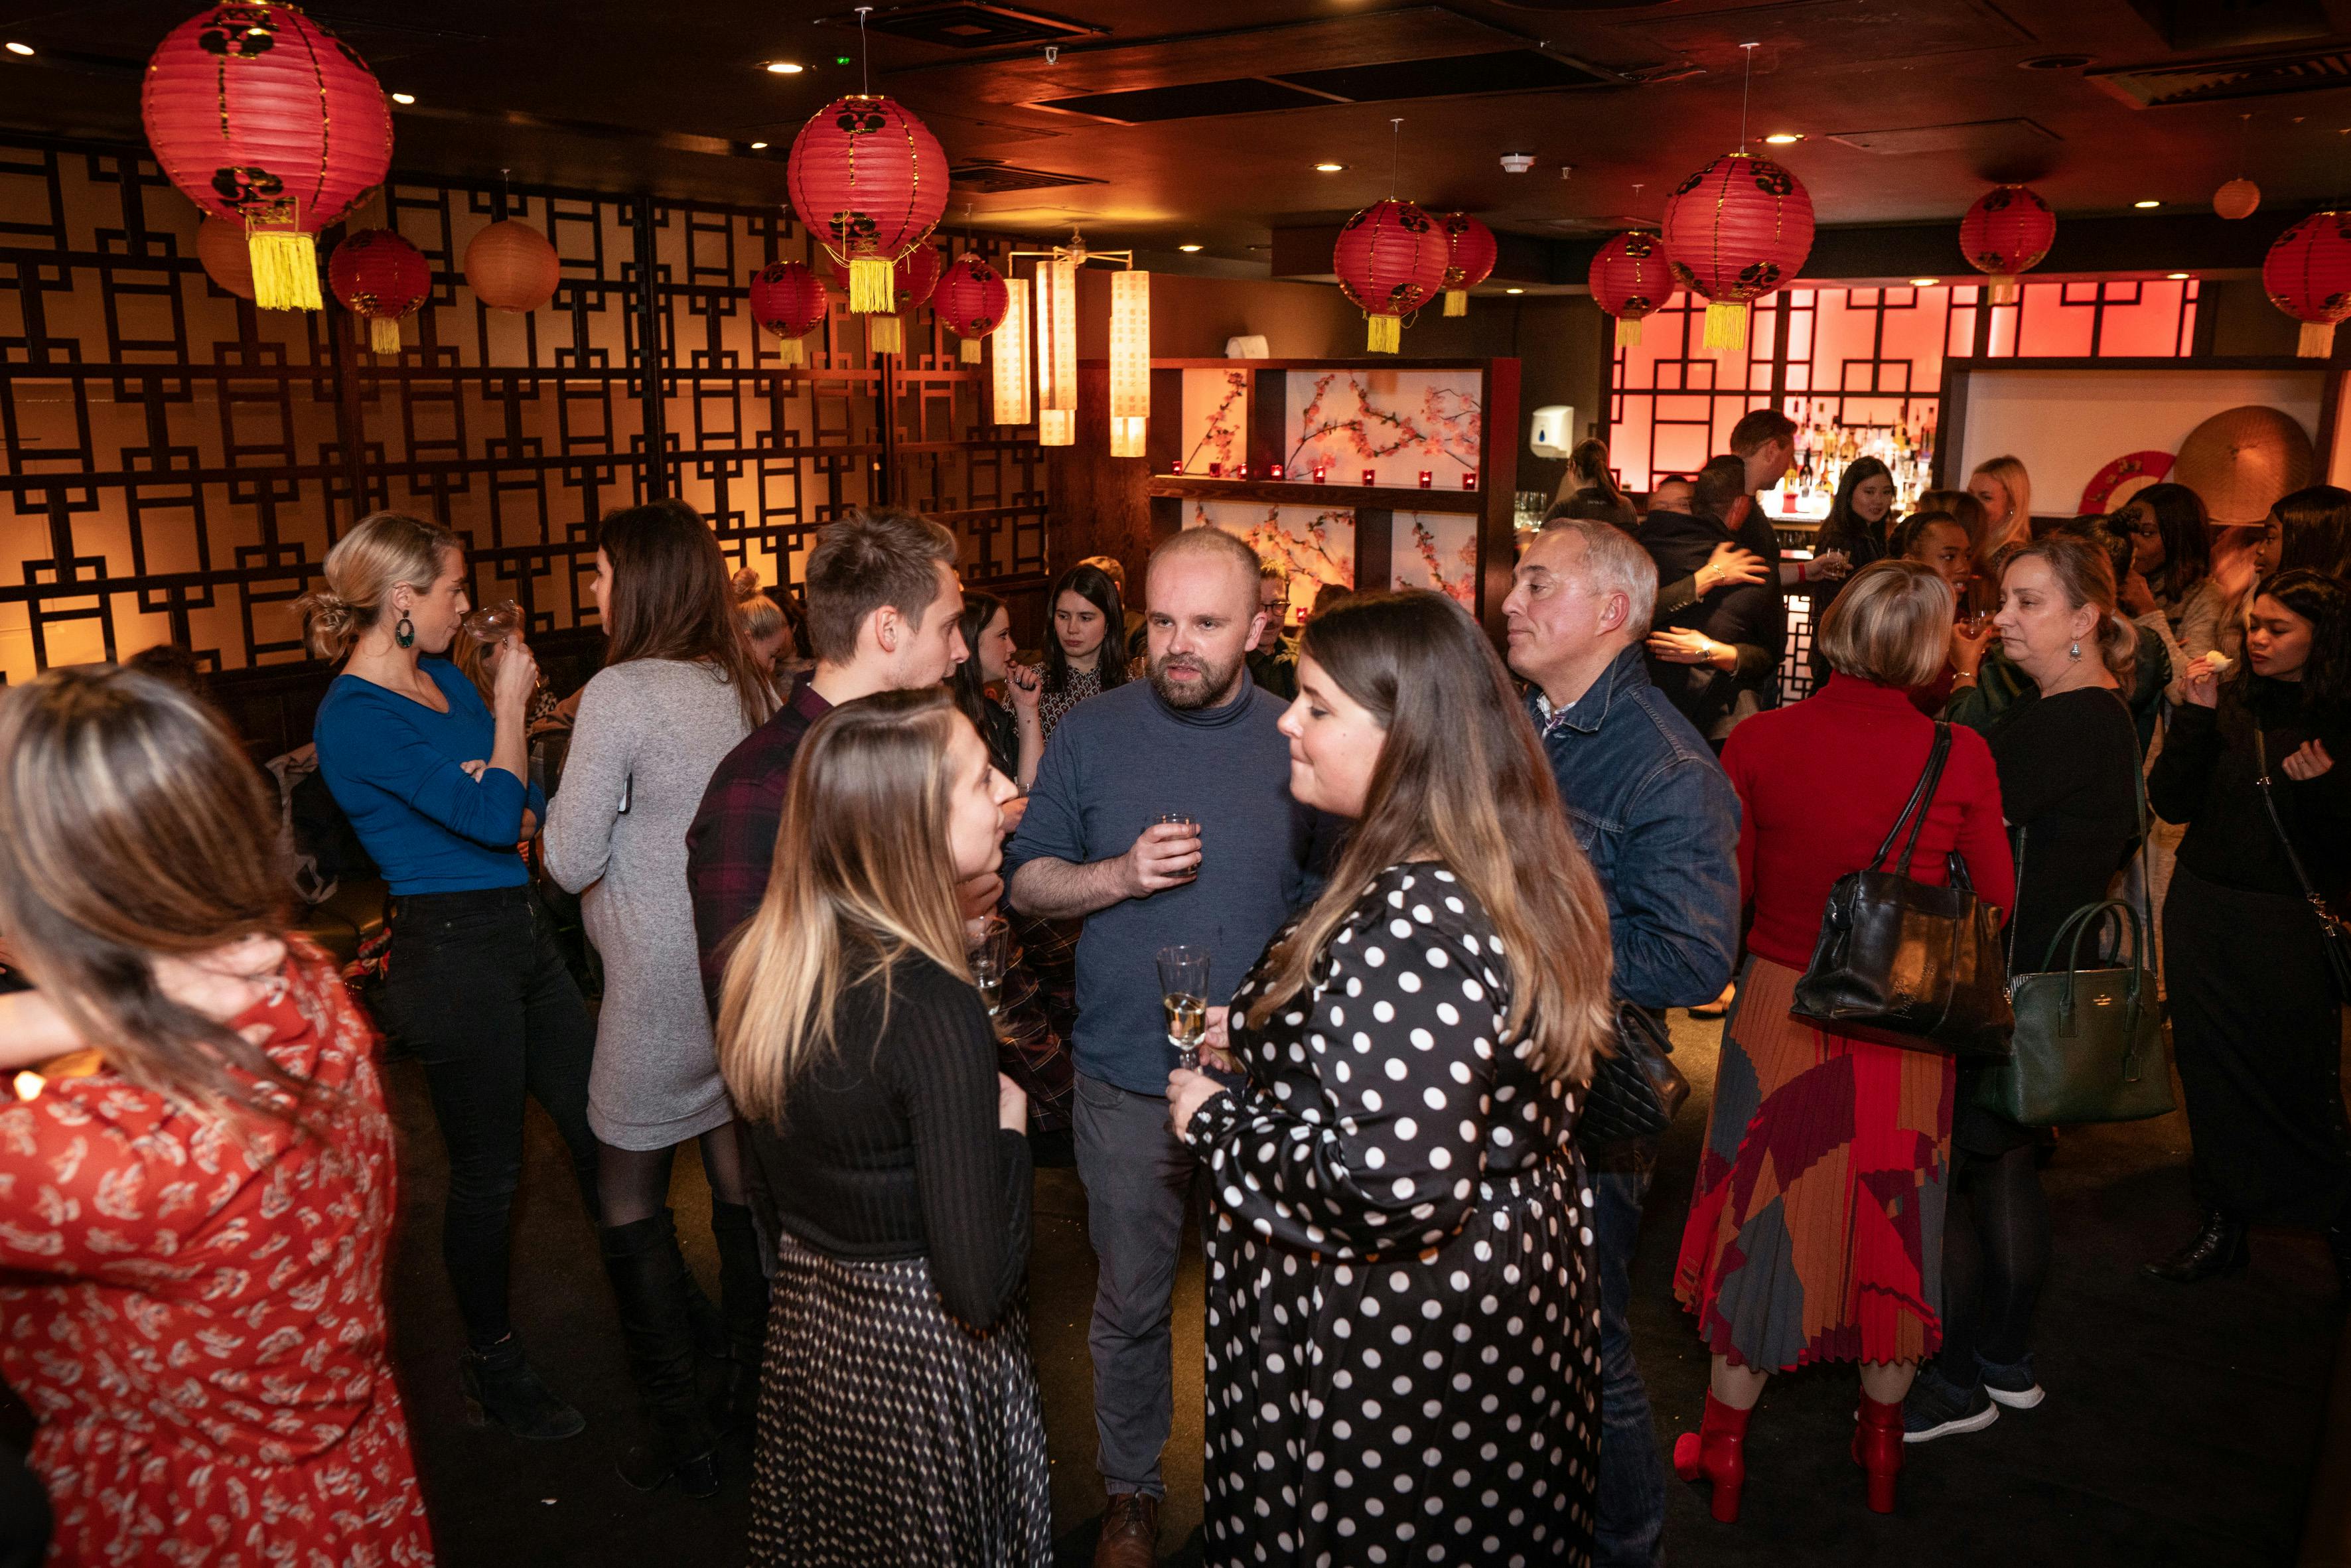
(2216, 81)
(987, 177)
(1458, 76)
(1967, 136)
(962, 26)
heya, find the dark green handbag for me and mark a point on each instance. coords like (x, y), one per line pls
(2089, 1042)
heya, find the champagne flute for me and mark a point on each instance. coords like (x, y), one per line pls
(989, 953)
(1184, 992)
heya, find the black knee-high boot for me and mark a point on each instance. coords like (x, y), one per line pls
(649, 1282)
(743, 1300)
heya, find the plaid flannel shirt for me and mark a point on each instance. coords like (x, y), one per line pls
(731, 847)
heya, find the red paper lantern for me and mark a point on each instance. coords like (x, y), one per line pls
(2307, 275)
(2008, 231)
(911, 279)
(260, 116)
(1735, 231)
(510, 266)
(1629, 280)
(380, 277)
(221, 247)
(870, 181)
(1470, 259)
(1391, 260)
(970, 303)
(789, 300)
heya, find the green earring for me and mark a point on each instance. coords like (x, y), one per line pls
(405, 632)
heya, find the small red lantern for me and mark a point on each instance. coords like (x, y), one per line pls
(869, 181)
(221, 247)
(1630, 281)
(260, 116)
(510, 266)
(970, 302)
(1470, 259)
(1391, 260)
(911, 279)
(2008, 231)
(788, 300)
(2307, 275)
(380, 277)
(1735, 231)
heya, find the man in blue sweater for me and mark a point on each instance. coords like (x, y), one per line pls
(1196, 740)
(1654, 812)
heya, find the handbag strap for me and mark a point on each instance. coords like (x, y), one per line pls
(1914, 811)
(2261, 777)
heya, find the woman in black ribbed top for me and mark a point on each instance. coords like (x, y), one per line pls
(899, 1420)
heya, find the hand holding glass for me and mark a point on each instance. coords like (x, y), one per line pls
(989, 953)
(1184, 992)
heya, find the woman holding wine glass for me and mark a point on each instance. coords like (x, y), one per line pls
(1397, 1263)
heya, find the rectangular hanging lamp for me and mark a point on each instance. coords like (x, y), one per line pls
(1057, 351)
(1010, 404)
(1129, 362)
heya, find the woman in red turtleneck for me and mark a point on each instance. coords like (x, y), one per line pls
(1814, 1234)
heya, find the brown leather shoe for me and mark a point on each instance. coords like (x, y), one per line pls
(1130, 1531)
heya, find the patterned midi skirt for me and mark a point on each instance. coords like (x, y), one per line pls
(890, 1434)
(1816, 1229)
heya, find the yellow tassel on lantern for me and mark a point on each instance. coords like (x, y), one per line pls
(883, 336)
(2004, 288)
(871, 287)
(969, 351)
(285, 269)
(1387, 334)
(1628, 331)
(1457, 302)
(792, 352)
(1725, 326)
(383, 334)
(2317, 340)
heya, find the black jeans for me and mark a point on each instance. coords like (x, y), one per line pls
(479, 991)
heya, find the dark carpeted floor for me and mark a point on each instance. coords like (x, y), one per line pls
(2180, 1427)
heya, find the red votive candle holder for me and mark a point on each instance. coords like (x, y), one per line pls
(1320, 470)
(1427, 480)
(1273, 470)
(1216, 470)
(1240, 470)
(1370, 476)
(1469, 478)
(1176, 466)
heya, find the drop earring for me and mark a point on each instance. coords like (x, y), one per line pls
(2072, 653)
(404, 633)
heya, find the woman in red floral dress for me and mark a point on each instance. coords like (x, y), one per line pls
(193, 1215)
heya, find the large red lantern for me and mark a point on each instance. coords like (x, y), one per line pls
(510, 266)
(380, 277)
(1735, 231)
(260, 116)
(970, 302)
(911, 279)
(2008, 231)
(870, 181)
(1630, 281)
(1468, 259)
(2307, 275)
(1391, 260)
(789, 300)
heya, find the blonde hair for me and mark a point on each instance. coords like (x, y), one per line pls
(2086, 573)
(762, 615)
(863, 877)
(1999, 534)
(384, 551)
(1891, 624)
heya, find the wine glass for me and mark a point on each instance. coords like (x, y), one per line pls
(1184, 992)
(493, 624)
(989, 953)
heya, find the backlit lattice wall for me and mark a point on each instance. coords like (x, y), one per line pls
(174, 464)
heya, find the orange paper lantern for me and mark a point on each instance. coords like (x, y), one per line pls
(1735, 231)
(510, 266)
(380, 277)
(2237, 198)
(869, 181)
(789, 300)
(262, 117)
(1391, 260)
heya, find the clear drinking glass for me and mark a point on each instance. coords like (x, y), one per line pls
(1184, 992)
(1190, 824)
(989, 953)
(493, 624)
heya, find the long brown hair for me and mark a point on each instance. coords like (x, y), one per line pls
(671, 599)
(1461, 779)
(863, 877)
(132, 826)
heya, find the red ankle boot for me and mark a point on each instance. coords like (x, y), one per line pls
(1716, 1451)
(1878, 1449)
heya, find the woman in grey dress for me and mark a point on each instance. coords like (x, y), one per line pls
(679, 689)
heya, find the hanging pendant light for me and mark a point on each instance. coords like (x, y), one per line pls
(1057, 347)
(1130, 362)
(1009, 390)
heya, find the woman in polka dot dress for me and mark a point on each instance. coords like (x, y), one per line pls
(1403, 1333)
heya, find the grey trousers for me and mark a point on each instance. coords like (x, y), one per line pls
(1139, 1180)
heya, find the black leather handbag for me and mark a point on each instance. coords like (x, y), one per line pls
(1636, 1090)
(2334, 932)
(1904, 964)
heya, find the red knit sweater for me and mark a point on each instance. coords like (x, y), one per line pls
(1820, 783)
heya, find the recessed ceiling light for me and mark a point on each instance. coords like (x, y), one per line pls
(1783, 138)
(1514, 291)
(1925, 282)
(16, 48)
(1187, 250)
(1328, 168)
(785, 67)
(758, 147)
(2147, 203)
(2178, 276)
(404, 98)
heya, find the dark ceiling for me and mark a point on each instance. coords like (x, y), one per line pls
(1200, 122)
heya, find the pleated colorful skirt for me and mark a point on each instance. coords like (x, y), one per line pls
(1816, 1229)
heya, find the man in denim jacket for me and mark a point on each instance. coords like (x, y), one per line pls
(1651, 807)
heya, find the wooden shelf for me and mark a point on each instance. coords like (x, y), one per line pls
(1281, 491)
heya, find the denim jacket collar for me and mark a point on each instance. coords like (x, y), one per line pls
(1590, 711)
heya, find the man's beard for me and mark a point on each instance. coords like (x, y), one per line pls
(1214, 685)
